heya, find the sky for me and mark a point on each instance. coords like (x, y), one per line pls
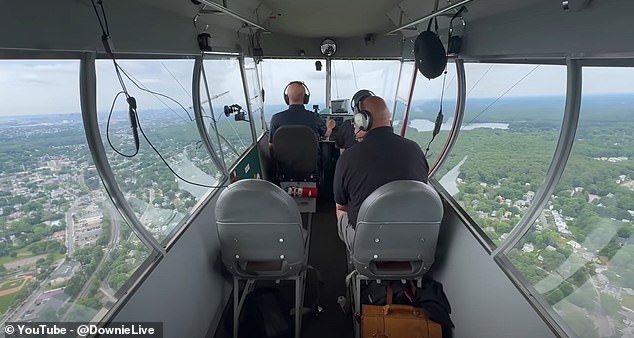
(52, 87)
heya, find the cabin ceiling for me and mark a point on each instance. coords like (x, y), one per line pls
(328, 18)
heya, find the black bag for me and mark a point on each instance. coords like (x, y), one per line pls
(312, 293)
(263, 315)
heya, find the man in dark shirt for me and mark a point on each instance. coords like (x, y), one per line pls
(297, 115)
(381, 157)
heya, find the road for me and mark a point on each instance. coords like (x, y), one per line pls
(29, 302)
(112, 243)
(70, 233)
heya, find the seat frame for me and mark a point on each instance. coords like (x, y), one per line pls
(356, 277)
(238, 300)
(240, 271)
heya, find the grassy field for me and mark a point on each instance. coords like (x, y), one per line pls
(22, 253)
(11, 284)
(5, 301)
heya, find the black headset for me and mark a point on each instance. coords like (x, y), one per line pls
(454, 42)
(306, 91)
(362, 118)
(358, 97)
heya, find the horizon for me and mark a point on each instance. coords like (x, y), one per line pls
(390, 104)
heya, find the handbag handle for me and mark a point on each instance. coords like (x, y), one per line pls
(403, 308)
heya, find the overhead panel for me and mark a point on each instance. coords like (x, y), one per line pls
(329, 18)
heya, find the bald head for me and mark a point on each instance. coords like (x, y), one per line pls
(295, 93)
(377, 107)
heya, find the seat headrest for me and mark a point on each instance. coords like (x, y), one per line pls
(402, 201)
(252, 200)
(296, 151)
(430, 55)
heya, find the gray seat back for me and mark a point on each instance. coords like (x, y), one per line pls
(397, 230)
(296, 152)
(260, 230)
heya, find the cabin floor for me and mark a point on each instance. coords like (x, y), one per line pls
(328, 256)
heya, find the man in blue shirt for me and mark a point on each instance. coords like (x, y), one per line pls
(296, 114)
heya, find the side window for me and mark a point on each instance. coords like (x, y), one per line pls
(426, 103)
(402, 93)
(511, 123)
(253, 77)
(578, 254)
(169, 142)
(229, 134)
(65, 253)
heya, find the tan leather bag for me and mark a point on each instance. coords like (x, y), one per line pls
(397, 321)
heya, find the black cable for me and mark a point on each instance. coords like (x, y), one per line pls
(132, 107)
(108, 129)
(94, 6)
(502, 95)
(480, 79)
(131, 100)
(439, 117)
(170, 168)
(105, 18)
(134, 81)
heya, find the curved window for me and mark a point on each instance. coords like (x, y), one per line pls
(425, 105)
(64, 250)
(232, 132)
(402, 92)
(578, 254)
(277, 73)
(167, 134)
(511, 123)
(379, 76)
(251, 69)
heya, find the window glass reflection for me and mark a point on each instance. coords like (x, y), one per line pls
(578, 255)
(169, 141)
(229, 134)
(511, 124)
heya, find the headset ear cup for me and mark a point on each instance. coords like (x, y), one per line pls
(454, 44)
(363, 120)
(306, 93)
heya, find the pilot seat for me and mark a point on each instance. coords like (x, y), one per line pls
(261, 238)
(396, 234)
(296, 156)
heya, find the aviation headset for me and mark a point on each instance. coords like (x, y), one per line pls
(358, 97)
(306, 91)
(362, 118)
(454, 42)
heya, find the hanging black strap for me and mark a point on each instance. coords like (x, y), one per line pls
(435, 20)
